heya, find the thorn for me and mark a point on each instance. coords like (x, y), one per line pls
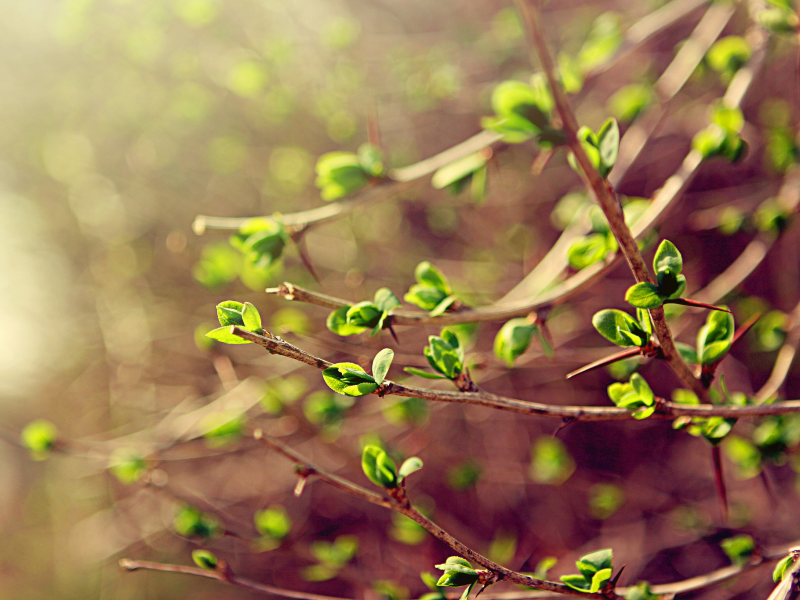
(616, 577)
(540, 162)
(301, 250)
(745, 327)
(391, 330)
(564, 422)
(606, 361)
(696, 304)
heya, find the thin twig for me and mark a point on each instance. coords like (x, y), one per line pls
(666, 410)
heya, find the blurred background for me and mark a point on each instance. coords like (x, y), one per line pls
(122, 120)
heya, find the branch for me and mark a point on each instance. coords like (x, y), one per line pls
(399, 503)
(128, 564)
(666, 409)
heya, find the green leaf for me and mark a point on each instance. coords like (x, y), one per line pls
(442, 307)
(224, 335)
(381, 364)
(594, 562)
(551, 463)
(457, 572)
(715, 338)
(190, 522)
(349, 379)
(577, 582)
(370, 158)
(39, 437)
(378, 467)
(628, 101)
(590, 249)
(779, 20)
(458, 169)
(603, 40)
(339, 174)
(127, 465)
(230, 313)
(619, 328)
(513, 339)
(644, 295)
(739, 548)
(781, 568)
(337, 323)
(385, 300)
(643, 390)
(251, 318)
(710, 141)
(688, 354)
(409, 466)
(364, 314)
(425, 296)
(608, 145)
(668, 258)
(426, 274)
(600, 579)
(205, 559)
(272, 522)
(423, 374)
(728, 54)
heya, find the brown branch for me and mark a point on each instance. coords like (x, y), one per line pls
(666, 410)
(128, 564)
(398, 502)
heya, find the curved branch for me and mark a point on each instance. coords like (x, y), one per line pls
(666, 410)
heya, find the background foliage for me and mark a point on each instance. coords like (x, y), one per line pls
(121, 120)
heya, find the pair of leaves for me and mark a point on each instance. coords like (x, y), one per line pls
(470, 169)
(595, 572)
(458, 572)
(340, 174)
(432, 292)
(712, 429)
(261, 240)
(191, 522)
(354, 319)
(445, 355)
(601, 147)
(668, 264)
(635, 395)
(623, 330)
(515, 337)
(350, 379)
(721, 137)
(272, 524)
(331, 557)
(243, 315)
(381, 470)
(715, 338)
(522, 112)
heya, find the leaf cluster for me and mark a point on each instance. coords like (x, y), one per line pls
(356, 318)
(231, 313)
(601, 147)
(722, 136)
(458, 572)
(515, 337)
(340, 174)
(522, 112)
(635, 395)
(445, 354)
(351, 379)
(432, 292)
(595, 572)
(381, 470)
(668, 264)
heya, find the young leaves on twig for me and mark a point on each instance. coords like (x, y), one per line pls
(635, 396)
(350, 379)
(514, 338)
(340, 174)
(623, 330)
(595, 572)
(235, 313)
(381, 470)
(601, 147)
(445, 355)
(721, 137)
(432, 292)
(458, 572)
(354, 319)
